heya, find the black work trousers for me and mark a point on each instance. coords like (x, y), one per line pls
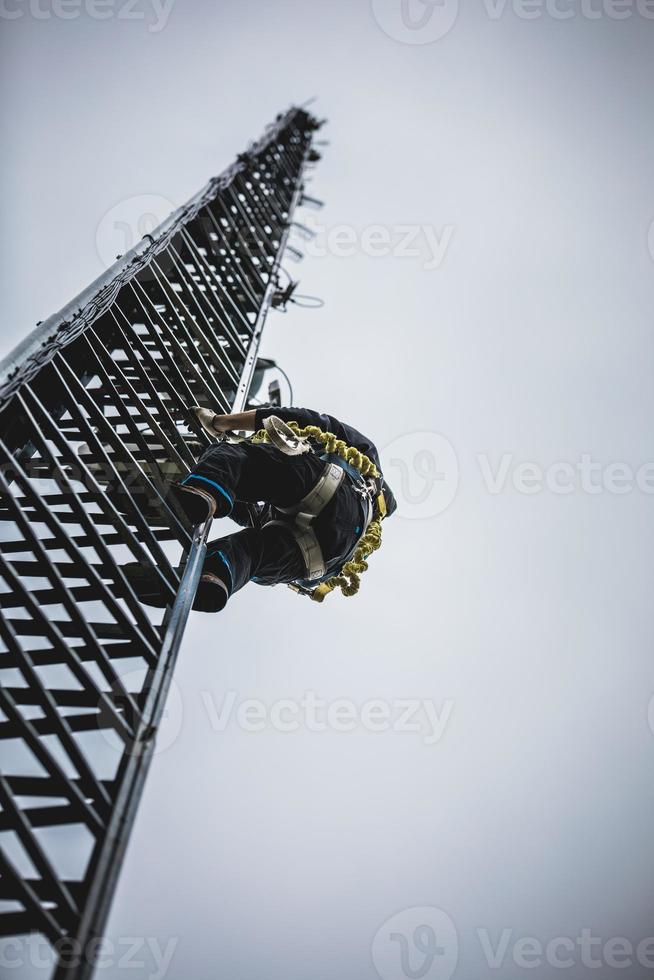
(240, 473)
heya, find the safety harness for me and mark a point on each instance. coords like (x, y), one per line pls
(303, 515)
(340, 459)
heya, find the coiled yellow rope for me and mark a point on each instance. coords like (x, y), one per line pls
(349, 580)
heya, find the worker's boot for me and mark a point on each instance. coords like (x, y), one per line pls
(196, 504)
(211, 596)
(216, 583)
(146, 584)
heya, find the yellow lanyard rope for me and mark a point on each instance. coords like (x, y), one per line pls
(349, 579)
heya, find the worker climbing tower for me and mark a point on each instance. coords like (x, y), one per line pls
(94, 425)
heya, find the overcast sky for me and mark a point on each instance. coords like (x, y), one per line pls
(508, 149)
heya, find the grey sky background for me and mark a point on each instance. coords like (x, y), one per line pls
(281, 854)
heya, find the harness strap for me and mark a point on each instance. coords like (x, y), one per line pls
(307, 542)
(284, 438)
(305, 512)
(339, 461)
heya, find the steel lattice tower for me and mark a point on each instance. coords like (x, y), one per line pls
(96, 400)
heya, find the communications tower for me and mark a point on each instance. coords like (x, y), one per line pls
(94, 424)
